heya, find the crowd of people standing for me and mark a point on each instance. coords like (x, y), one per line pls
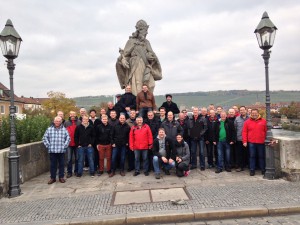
(133, 130)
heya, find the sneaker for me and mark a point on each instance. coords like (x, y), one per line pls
(146, 173)
(167, 172)
(92, 175)
(218, 171)
(69, 175)
(122, 173)
(186, 173)
(252, 172)
(85, 169)
(157, 176)
(136, 173)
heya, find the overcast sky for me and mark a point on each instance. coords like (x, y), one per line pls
(71, 46)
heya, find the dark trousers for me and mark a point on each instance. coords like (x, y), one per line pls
(212, 153)
(180, 168)
(57, 158)
(131, 159)
(233, 160)
(257, 150)
(72, 151)
(241, 154)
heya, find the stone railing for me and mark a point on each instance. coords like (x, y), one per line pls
(34, 160)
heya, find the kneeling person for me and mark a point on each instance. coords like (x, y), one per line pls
(182, 156)
(163, 152)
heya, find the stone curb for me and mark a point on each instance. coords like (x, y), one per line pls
(173, 216)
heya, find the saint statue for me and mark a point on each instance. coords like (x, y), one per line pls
(137, 63)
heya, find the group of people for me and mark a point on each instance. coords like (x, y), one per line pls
(135, 130)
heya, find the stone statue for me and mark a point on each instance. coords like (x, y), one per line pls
(137, 63)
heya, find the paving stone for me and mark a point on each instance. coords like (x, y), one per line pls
(130, 197)
(159, 195)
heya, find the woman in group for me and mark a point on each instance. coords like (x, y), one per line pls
(182, 156)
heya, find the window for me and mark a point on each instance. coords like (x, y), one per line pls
(2, 109)
(17, 109)
(1, 92)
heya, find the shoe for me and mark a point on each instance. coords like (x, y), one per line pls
(157, 176)
(78, 175)
(252, 172)
(122, 173)
(210, 166)
(69, 175)
(136, 173)
(99, 173)
(228, 170)
(263, 172)
(62, 180)
(51, 181)
(111, 174)
(239, 169)
(109, 171)
(167, 172)
(92, 175)
(193, 167)
(146, 173)
(129, 170)
(85, 169)
(202, 168)
(186, 173)
(218, 171)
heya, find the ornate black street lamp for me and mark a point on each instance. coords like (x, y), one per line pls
(265, 34)
(10, 42)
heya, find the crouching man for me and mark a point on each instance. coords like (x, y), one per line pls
(163, 153)
(56, 139)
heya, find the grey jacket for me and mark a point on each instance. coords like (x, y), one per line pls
(238, 124)
(183, 151)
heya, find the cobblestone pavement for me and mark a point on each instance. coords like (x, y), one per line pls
(277, 220)
(92, 197)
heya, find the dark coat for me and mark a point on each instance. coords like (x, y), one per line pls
(120, 134)
(172, 129)
(154, 126)
(197, 128)
(128, 100)
(84, 136)
(185, 124)
(169, 147)
(230, 131)
(211, 123)
(103, 134)
(170, 107)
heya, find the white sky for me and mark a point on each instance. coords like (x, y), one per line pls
(71, 46)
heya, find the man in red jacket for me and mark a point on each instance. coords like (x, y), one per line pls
(140, 141)
(72, 150)
(254, 134)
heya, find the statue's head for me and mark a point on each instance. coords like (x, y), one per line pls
(142, 29)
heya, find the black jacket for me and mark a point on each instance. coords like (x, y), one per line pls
(128, 100)
(197, 128)
(230, 131)
(211, 123)
(84, 136)
(113, 122)
(170, 107)
(185, 124)
(169, 147)
(154, 126)
(95, 123)
(103, 134)
(120, 134)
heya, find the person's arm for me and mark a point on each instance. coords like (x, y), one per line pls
(137, 102)
(245, 134)
(187, 155)
(204, 129)
(150, 137)
(176, 110)
(131, 138)
(153, 102)
(76, 136)
(46, 139)
(67, 139)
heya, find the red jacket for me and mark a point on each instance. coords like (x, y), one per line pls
(71, 131)
(140, 138)
(254, 131)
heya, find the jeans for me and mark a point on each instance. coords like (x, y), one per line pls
(241, 154)
(72, 150)
(180, 168)
(137, 154)
(143, 112)
(157, 161)
(223, 149)
(89, 153)
(257, 149)
(115, 152)
(194, 145)
(54, 159)
(104, 152)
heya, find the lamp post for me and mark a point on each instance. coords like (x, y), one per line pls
(265, 34)
(10, 42)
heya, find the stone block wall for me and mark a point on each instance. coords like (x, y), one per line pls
(33, 161)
